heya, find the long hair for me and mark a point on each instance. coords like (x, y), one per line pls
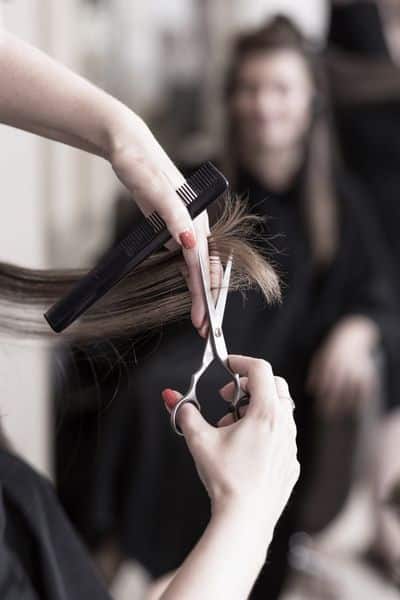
(153, 294)
(318, 197)
(361, 80)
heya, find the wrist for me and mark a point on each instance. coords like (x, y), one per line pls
(124, 130)
(247, 532)
(250, 514)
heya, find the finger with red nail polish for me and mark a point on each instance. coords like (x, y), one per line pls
(170, 398)
(188, 239)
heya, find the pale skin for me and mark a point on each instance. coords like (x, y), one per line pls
(249, 468)
(272, 109)
(385, 475)
(344, 373)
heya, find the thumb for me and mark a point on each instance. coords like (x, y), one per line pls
(189, 419)
(192, 423)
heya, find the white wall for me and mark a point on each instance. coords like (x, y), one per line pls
(309, 14)
(20, 165)
(23, 370)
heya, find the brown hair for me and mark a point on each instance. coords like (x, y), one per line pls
(153, 294)
(357, 79)
(319, 201)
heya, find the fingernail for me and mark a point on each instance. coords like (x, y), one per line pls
(188, 239)
(169, 397)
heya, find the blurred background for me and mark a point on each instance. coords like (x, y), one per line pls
(168, 60)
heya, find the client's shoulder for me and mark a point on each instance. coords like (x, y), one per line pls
(19, 479)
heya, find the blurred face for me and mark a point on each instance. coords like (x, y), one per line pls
(272, 102)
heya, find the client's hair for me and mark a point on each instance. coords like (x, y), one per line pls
(152, 294)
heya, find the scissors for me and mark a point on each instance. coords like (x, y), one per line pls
(215, 349)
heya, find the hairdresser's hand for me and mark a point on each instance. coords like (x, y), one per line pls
(252, 463)
(343, 373)
(148, 173)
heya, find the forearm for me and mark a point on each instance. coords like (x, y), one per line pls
(227, 559)
(40, 95)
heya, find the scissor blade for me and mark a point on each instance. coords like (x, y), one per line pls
(208, 354)
(212, 316)
(223, 292)
(216, 336)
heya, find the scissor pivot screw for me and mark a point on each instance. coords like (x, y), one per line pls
(218, 332)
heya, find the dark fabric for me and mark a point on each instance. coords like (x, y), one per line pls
(146, 491)
(41, 557)
(353, 27)
(369, 135)
(369, 131)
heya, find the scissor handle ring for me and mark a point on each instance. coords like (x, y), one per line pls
(176, 409)
(241, 398)
(234, 408)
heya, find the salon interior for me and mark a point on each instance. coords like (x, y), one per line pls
(316, 86)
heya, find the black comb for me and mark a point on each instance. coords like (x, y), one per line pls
(147, 236)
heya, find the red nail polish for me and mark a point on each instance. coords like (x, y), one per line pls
(169, 397)
(188, 239)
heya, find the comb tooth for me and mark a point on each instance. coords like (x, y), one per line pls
(145, 229)
(153, 221)
(203, 178)
(208, 173)
(141, 234)
(185, 188)
(156, 221)
(202, 171)
(159, 220)
(209, 170)
(199, 183)
(182, 193)
(128, 244)
(192, 185)
(186, 196)
(191, 192)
